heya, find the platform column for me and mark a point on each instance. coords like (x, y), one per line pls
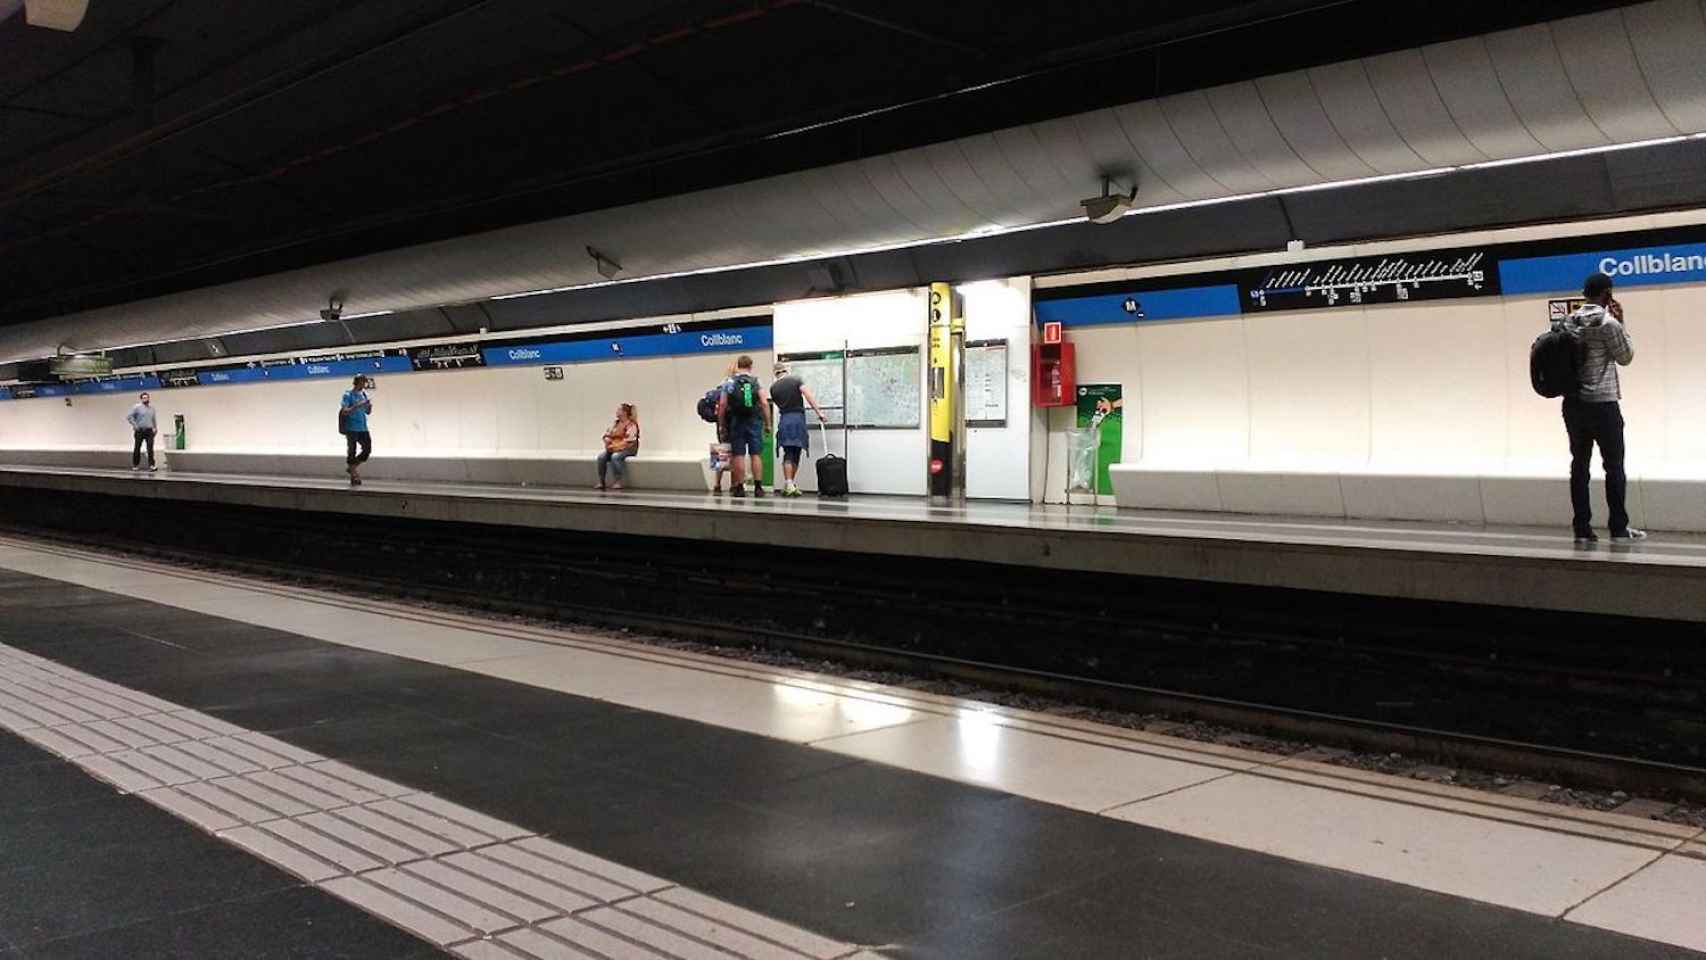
(947, 406)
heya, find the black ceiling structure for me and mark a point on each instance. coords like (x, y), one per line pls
(173, 144)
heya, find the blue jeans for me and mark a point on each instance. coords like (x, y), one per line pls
(616, 462)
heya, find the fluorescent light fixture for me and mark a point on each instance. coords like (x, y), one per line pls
(996, 230)
(1361, 181)
(1583, 152)
(370, 313)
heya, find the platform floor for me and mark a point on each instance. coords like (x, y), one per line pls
(1664, 577)
(503, 791)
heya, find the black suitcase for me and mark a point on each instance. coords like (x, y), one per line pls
(831, 469)
(831, 476)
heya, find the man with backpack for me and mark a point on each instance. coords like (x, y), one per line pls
(1595, 343)
(744, 409)
(352, 423)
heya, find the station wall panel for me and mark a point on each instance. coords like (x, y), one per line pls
(1412, 410)
(474, 411)
(878, 461)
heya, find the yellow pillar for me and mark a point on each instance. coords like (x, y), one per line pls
(947, 413)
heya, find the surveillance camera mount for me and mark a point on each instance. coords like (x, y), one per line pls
(1110, 206)
(607, 268)
(1108, 184)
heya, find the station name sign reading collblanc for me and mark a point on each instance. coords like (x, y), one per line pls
(1393, 278)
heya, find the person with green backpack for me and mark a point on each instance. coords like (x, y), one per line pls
(744, 410)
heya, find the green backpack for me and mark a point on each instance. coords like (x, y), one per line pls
(743, 396)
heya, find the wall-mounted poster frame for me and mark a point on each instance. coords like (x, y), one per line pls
(985, 383)
(862, 364)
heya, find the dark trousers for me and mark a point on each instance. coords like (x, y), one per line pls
(1588, 424)
(143, 438)
(365, 439)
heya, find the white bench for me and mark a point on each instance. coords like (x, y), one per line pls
(661, 471)
(1491, 494)
(108, 458)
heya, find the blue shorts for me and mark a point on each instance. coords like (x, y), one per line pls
(746, 437)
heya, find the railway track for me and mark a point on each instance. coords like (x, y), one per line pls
(1467, 688)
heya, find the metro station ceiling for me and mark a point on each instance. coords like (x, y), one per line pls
(169, 145)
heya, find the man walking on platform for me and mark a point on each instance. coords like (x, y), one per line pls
(1592, 413)
(142, 430)
(352, 423)
(744, 408)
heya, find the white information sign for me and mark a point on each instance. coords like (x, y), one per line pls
(986, 383)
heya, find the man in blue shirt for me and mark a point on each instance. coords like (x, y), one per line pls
(352, 423)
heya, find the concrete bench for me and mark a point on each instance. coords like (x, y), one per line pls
(104, 458)
(661, 471)
(1491, 494)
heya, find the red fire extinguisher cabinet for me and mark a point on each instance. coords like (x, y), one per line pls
(1054, 374)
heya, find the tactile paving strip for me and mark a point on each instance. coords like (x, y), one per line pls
(480, 887)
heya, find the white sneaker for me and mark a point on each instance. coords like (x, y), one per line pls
(134, 469)
(1629, 536)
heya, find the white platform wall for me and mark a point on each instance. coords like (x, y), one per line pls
(1303, 412)
(896, 461)
(491, 410)
(878, 461)
(997, 458)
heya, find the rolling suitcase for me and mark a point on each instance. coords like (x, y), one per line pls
(831, 471)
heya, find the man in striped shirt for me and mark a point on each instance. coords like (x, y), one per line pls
(1592, 414)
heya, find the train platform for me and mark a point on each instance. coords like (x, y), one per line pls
(1535, 568)
(202, 764)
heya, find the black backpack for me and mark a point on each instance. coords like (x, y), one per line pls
(707, 405)
(1554, 363)
(743, 396)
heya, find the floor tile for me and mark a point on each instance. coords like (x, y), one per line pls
(1516, 866)
(95, 822)
(783, 711)
(96, 889)
(285, 925)
(46, 783)
(1666, 901)
(973, 748)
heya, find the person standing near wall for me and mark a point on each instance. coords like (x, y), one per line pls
(720, 455)
(791, 395)
(142, 430)
(352, 423)
(744, 408)
(1592, 413)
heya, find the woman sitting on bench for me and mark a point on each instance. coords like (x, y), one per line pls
(621, 441)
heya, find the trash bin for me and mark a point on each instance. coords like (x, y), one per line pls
(1081, 448)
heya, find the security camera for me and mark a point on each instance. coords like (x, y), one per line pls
(334, 310)
(1110, 206)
